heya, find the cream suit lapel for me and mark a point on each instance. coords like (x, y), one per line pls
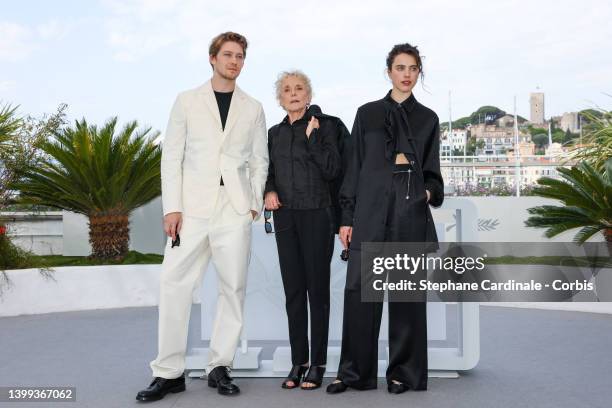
(207, 96)
(234, 110)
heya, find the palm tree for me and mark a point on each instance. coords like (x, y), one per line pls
(596, 145)
(101, 174)
(587, 197)
(9, 124)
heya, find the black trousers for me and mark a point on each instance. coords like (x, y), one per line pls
(406, 220)
(305, 242)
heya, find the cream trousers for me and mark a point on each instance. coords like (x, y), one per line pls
(226, 239)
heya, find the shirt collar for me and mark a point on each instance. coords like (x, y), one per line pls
(408, 104)
(313, 110)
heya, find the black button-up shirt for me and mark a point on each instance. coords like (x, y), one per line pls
(369, 173)
(302, 169)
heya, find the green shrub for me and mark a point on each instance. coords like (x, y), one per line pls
(11, 256)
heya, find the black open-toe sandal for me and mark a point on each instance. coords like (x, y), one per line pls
(295, 375)
(314, 376)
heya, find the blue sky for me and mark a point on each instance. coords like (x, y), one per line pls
(131, 58)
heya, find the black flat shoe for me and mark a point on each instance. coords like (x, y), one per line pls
(296, 374)
(314, 376)
(220, 379)
(160, 387)
(336, 387)
(397, 388)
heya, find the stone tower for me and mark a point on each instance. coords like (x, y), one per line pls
(536, 102)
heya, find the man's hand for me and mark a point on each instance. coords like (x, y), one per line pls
(346, 235)
(173, 223)
(271, 201)
(428, 195)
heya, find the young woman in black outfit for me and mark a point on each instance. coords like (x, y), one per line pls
(392, 178)
(304, 151)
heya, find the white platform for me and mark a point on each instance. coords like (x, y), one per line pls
(265, 317)
(245, 364)
(243, 361)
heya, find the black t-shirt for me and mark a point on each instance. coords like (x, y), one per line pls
(223, 102)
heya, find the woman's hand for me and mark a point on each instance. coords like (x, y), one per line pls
(346, 235)
(312, 124)
(271, 201)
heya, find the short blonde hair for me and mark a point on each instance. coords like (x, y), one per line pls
(295, 73)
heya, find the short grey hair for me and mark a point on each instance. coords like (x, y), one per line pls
(295, 73)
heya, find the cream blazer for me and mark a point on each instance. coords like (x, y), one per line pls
(197, 152)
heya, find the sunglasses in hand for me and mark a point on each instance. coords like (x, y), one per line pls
(344, 255)
(268, 224)
(177, 241)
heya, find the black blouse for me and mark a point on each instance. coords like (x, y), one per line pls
(302, 169)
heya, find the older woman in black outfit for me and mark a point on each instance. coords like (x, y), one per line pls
(304, 163)
(392, 178)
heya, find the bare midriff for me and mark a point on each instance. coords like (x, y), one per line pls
(400, 158)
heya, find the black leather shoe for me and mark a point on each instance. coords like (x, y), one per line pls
(220, 379)
(336, 388)
(160, 387)
(397, 388)
(295, 375)
(314, 376)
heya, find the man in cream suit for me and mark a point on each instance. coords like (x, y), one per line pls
(214, 168)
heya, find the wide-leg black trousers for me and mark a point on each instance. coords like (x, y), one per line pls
(305, 242)
(405, 222)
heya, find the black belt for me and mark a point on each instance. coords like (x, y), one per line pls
(221, 182)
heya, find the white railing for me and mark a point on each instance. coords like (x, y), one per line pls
(494, 171)
(497, 159)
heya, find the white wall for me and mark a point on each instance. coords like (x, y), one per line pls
(80, 288)
(501, 219)
(146, 231)
(40, 233)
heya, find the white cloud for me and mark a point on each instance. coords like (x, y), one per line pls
(485, 52)
(53, 30)
(16, 41)
(139, 28)
(142, 28)
(7, 86)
